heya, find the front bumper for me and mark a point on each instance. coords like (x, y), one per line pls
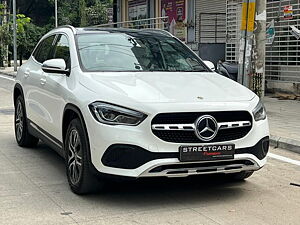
(133, 157)
(160, 153)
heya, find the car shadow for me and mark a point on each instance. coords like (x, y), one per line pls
(153, 191)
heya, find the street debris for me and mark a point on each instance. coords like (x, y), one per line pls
(66, 213)
(284, 96)
(293, 184)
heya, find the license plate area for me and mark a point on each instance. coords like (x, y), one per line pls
(206, 152)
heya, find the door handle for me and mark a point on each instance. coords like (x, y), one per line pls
(27, 73)
(43, 81)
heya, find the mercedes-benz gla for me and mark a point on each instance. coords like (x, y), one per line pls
(135, 103)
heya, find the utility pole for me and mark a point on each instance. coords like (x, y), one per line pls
(56, 19)
(259, 51)
(246, 42)
(5, 21)
(15, 34)
(252, 46)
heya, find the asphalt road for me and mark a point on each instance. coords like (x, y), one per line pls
(34, 190)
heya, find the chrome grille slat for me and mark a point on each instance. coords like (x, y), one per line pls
(180, 127)
(191, 127)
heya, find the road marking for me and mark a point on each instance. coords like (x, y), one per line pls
(6, 77)
(284, 159)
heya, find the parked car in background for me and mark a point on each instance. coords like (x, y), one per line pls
(135, 103)
(227, 69)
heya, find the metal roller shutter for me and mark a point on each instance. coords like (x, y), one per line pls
(233, 34)
(283, 56)
(210, 10)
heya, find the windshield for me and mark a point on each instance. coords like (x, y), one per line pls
(123, 52)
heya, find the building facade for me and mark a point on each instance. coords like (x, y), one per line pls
(179, 12)
(282, 68)
(199, 23)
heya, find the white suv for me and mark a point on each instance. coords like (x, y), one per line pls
(135, 103)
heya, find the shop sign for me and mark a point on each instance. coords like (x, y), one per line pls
(175, 10)
(137, 10)
(288, 12)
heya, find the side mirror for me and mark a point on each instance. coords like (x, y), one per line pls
(210, 65)
(55, 66)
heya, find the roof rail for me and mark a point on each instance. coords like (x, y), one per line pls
(158, 31)
(68, 26)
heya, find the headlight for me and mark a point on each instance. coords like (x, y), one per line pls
(115, 115)
(259, 112)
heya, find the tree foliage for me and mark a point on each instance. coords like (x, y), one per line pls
(97, 12)
(6, 31)
(28, 35)
(81, 13)
(36, 18)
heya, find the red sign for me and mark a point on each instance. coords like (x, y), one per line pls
(288, 12)
(175, 10)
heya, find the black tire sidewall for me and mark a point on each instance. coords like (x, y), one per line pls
(75, 123)
(24, 131)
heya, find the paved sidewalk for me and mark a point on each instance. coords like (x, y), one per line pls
(284, 119)
(9, 71)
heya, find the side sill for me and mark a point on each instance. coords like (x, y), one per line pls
(48, 139)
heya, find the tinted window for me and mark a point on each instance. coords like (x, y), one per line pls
(43, 51)
(62, 50)
(138, 52)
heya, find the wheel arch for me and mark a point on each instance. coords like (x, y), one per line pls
(71, 112)
(18, 90)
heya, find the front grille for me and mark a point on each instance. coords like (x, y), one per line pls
(184, 136)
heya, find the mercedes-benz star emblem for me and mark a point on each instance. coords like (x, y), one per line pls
(206, 128)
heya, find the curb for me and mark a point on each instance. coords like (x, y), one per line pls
(285, 143)
(8, 74)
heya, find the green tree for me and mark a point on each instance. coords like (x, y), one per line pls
(5, 37)
(82, 13)
(72, 12)
(22, 42)
(97, 12)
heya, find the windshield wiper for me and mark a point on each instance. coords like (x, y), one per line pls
(132, 41)
(154, 70)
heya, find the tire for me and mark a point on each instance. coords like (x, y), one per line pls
(76, 145)
(240, 176)
(23, 137)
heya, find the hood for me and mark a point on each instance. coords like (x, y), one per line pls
(166, 87)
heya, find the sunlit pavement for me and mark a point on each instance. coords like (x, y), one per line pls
(34, 190)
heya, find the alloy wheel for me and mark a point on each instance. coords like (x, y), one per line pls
(19, 121)
(74, 157)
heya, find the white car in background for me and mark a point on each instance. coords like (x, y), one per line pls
(135, 103)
